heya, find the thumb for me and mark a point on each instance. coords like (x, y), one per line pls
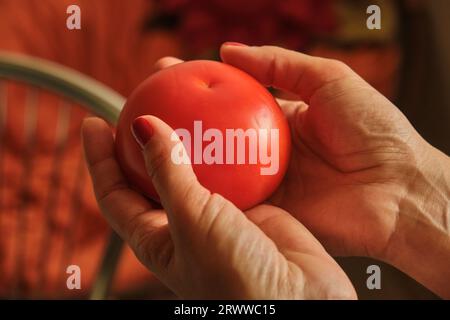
(181, 195)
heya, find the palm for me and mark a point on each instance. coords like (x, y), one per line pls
(267, 244)
(341, 173)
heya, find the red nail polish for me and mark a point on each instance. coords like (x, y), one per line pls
(234, 44)
(142, 131)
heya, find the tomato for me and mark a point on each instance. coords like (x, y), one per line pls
(203, 95)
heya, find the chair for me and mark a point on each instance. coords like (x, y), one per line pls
(70, 88)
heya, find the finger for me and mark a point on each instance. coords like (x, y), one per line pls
(290, 108)
(288, 70)
(166, 62)
(295, 237)
(294, 112)
(125, 209)
(180, 193)
(299, 245)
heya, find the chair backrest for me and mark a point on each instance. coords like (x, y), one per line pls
(43, 178)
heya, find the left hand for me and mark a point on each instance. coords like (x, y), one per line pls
(201, 245)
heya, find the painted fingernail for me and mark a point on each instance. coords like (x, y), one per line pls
(142, 131)
(235, 44)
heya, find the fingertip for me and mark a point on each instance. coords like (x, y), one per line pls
(153, 126)
(233, 44)
(90, 125)
(87, 124)
(166, 62)
(88, 128)
(142, 130)
(229, 48)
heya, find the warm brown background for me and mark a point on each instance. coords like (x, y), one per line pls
(118, 43)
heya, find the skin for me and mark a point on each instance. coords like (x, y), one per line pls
(361, 179)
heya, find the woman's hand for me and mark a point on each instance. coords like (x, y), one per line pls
(202, 246)
(361, 178)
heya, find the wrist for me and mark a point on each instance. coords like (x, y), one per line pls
(420, 244)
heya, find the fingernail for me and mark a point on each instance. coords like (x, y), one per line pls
(142, 131)
(235, 44)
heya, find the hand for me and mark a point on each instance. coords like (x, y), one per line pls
(202, 246)
(361, 178)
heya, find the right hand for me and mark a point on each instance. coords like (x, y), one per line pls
(361, 178)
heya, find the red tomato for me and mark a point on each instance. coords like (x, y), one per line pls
(221, 97)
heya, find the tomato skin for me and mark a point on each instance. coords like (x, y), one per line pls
(222, 97)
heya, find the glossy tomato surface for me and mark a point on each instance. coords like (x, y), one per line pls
(222, 97)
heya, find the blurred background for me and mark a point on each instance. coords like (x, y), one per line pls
(48, 215)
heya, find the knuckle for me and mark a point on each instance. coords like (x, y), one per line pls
(273, 58)
(215, 203)
(194, 191)
(103, 188)
(148, 246)
(269, 48)
(272, 67)
(338, 66)
(103, 195)
(271, 70)
(157, 253)
(134, 230)
(192, 196)
(217, 214)
(214, 206)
